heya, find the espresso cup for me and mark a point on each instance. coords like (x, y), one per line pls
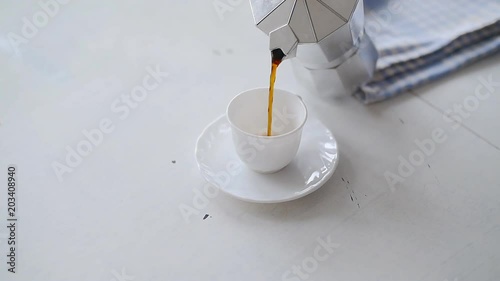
(247, 115)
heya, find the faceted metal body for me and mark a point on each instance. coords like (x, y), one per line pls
(324, 36)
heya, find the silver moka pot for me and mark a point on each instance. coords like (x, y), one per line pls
(332, 54)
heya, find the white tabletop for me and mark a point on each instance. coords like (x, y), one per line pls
(117, 213)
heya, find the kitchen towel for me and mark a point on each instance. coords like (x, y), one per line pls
(419, 41)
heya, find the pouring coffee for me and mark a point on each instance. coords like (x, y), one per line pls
(326, 38)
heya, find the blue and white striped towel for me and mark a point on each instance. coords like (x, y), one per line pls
(419, 41)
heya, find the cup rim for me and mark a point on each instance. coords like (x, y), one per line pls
(267, 137)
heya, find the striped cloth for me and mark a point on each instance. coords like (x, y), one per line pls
(419, 41)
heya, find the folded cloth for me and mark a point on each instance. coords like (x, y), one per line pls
(419, 41)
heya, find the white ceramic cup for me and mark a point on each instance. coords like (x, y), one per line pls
(247, 114)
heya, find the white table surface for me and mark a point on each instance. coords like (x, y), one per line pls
(117, 215)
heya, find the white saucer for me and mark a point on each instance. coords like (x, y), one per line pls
(313, 165)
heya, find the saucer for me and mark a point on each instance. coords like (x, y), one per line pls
(315, 162)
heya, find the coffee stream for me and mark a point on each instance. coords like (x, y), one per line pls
(276, 58)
